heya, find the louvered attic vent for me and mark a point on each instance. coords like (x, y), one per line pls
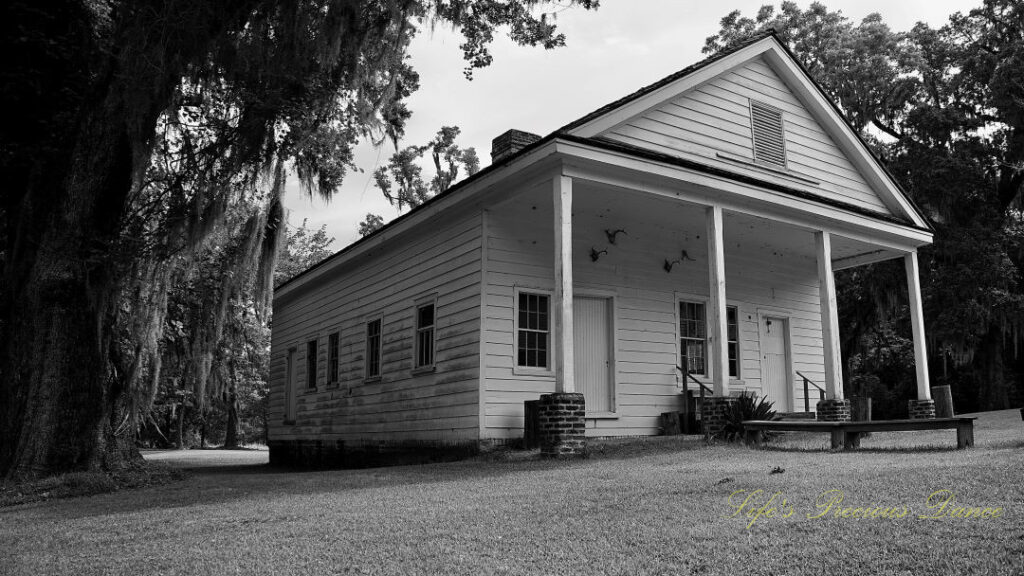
(769, 139)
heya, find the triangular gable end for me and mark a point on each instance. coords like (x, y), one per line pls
(704, 115)
(713, 123)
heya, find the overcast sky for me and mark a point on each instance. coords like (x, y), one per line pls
(609, 53)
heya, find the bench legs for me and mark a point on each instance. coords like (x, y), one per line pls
(838, 439)
(852, 440)
(752, 437)
(965, 435)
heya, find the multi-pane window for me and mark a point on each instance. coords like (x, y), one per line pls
(311, 364)
(693, 338)
(333, 345)
(424, 335)
(693, 330)
(733, 337)
(533, 335)
(373, 348)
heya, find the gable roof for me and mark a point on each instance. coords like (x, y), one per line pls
(666, 81)
(587, 128)
(768, 46)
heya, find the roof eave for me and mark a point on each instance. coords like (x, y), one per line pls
(459, 192)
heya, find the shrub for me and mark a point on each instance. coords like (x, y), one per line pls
(745, 408)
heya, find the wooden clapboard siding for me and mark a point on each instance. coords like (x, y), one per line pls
(766, 270)
(713, 119)
(442, 406)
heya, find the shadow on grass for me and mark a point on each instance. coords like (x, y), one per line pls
(910, 449)
(876, 450)
(225, 482)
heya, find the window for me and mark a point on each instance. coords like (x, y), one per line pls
(533, 334)
(373, 348)
(768, 134)
(333, 345)
(693, 338)
(693, 330)
(291, 386)
(311, 364)
(733, 338)
(424, 349)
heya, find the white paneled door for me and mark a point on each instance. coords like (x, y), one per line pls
(775, 360)
(592, 347)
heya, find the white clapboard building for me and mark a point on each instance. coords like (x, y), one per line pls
(694, 223)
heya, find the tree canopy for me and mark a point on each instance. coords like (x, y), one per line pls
(149, 132)
(401, 180)
(302, 249)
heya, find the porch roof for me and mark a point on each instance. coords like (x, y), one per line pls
(536, 153)
(612, 145)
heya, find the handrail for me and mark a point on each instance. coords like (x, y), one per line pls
(697, 382)
(807, 391)
(798, 373)
(687, 376)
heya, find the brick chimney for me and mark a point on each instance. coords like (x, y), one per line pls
(509, 143)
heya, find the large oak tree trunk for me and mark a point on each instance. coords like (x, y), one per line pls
(59, 391)
(73, 146)
(85, 83)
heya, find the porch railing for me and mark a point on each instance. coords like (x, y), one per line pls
(807, 394)
(702, 388)
(687, 376)
(691, 413)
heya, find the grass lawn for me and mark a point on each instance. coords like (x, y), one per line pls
(647, 506)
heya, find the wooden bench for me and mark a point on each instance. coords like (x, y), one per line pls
(847, 434)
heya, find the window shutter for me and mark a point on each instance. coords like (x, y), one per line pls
(769, 139)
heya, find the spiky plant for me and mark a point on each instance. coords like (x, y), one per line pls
(745, 408)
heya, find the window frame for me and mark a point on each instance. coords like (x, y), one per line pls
(417, 330)
(729, 343)
(548, 370)
(291, 384)
(367, 376)
(680, 300)
(334, 358)
(312, 363)
(704, 301)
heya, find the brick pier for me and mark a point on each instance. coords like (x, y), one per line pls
(561, 425)
(921, 409)
(715, 413)
(834, 410)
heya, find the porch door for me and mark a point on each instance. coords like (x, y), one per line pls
(775, 356)
(592, 350)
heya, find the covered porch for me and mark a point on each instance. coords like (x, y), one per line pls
(752, 263)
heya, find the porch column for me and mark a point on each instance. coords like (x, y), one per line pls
(719, 353)
(561, 418)
(564, 381)
(924, 406)
(829, 317)
(834, 407)
(716, 408)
